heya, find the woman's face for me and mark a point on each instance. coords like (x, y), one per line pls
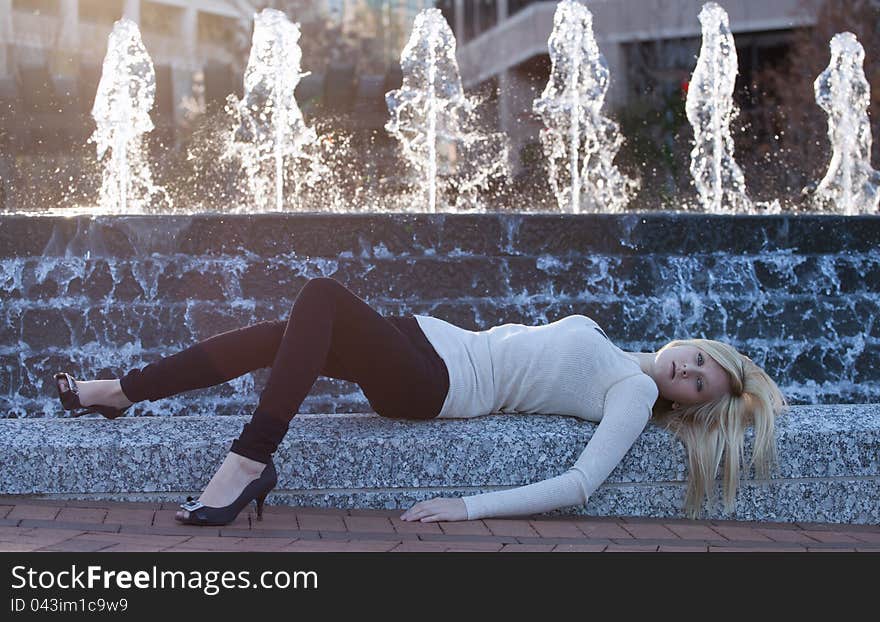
(686, 375)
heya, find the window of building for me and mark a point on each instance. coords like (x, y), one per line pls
(488, 14)
(447, 9)
(661, 68)
(489, 111)
(756, 52)
(216, 28)
(471, 15)
(100, 11)
(36, 90)
(514, 6)
(658, 69)
(163, 106)
(37, 7)
(219, 82)
(160, 19)
(479, 16)
(87, 86)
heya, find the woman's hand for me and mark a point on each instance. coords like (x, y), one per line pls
(436, 509)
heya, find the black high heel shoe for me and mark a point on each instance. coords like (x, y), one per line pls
(70, 400)
(257, 490)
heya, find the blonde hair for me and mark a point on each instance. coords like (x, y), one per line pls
(714, 430)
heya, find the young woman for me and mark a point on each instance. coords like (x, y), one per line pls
(421, 367)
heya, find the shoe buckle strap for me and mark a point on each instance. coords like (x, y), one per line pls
(192, 506)
(71, 383)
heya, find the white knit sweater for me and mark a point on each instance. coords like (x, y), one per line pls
(566, 367)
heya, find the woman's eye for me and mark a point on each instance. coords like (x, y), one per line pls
(700, 358)
(699, 384)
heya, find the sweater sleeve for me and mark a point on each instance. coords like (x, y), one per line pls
(626, 412)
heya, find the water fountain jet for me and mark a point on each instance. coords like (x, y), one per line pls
(434, 121)
(575, 131)
(268, 126)
(850, 185)
(710, 109)
(121, 111)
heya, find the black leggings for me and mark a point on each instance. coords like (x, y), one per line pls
(330, 332)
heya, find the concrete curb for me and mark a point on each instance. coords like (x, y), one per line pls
(829, 470)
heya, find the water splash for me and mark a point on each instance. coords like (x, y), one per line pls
(121, 111)
(267, 123)
(575, 131)
(435, 122)
(710, 109)
(850, 186)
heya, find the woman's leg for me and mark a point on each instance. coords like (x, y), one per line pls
(210, 362)
(331, 331)
(215, 360)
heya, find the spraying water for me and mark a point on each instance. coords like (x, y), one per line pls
(575, 132)
(121, 111)
(268, 124)
(710, 109)
(850, 186)
(434, 121)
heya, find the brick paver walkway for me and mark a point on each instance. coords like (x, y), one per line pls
(35, 524)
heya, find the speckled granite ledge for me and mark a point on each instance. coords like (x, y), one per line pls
(829, 467)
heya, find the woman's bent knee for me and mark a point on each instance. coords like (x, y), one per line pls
(320, 289)
(324, 282)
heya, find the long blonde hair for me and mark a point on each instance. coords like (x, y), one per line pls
(714, 430)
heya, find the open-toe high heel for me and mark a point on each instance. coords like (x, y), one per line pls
(200, 514)
(70, 399)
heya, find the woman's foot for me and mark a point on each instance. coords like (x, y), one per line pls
(99, 392)
(229, 481)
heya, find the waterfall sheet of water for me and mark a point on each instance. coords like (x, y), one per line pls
(580, 144)
(710, 109)
(268, 127)
(435, 123)
(850, 186)
(121, 112)
(807, 309)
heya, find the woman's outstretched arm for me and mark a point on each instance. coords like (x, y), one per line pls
(626, 412)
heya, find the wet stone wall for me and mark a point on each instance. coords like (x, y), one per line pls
(96, 296)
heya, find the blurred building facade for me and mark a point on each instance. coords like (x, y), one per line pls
(394, 24)
(650, 46)
(350, 81)
(51, 53)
